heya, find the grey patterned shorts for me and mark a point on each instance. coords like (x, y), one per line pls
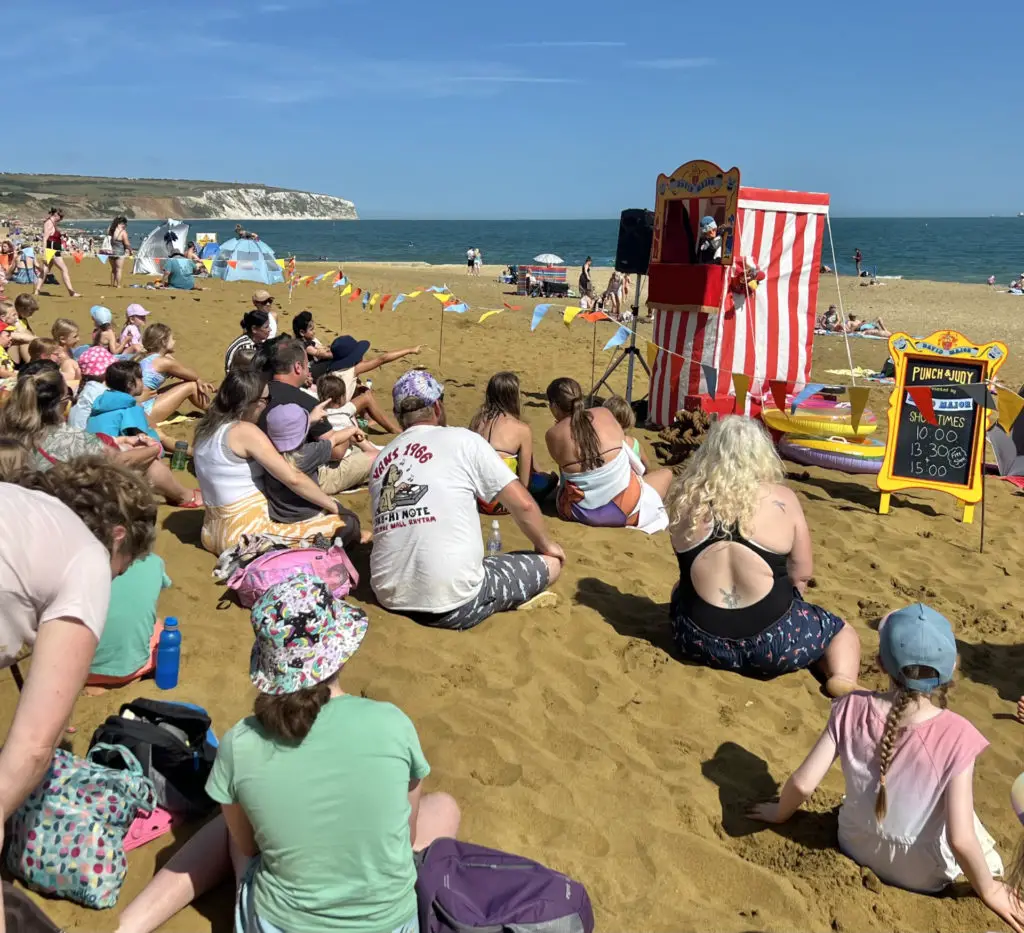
(509, 581)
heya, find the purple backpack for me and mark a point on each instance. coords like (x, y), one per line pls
(332, 566)
(463, 888)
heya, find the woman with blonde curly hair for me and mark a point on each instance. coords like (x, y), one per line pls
(745, 559)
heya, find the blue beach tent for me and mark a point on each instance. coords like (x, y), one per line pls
(209, 251)
(246, 261)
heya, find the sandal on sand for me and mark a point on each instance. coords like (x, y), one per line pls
(544, 600)
(195, 501)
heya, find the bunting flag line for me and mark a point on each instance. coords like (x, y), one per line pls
(812, 388)
(710, 378)
(593, 317)
(538, 315)
(570, 315)
(741, 382)
(922, 398)
(618, 338)
(858, 402)
(778, 387)
(1009, 406)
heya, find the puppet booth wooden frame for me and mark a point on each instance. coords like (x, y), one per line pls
(751, 313)
(930, 354)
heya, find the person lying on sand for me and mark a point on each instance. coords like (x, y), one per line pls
(745, 560)
(908, 762)
(428, 554)
(875, 328)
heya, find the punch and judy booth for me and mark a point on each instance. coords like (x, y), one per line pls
(750, 310)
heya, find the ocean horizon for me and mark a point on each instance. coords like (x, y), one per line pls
(940, 249)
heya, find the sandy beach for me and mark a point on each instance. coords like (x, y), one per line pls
(573, 735)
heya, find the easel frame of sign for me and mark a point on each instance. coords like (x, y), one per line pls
(949, 456)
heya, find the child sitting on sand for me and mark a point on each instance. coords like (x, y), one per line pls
(117, 412)
(46, 348)
(130, 340)
(7, 370)
(908, 762)
(127, 649)
(93, 363)
(103, 331)
(65, 332)
(305, 330)
(340, 412)
(624, 414)
(25, 306)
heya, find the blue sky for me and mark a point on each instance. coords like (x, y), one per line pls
(533, 109)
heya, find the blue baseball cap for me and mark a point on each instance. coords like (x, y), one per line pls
(917, 635)
(101, 315)
(707, 223)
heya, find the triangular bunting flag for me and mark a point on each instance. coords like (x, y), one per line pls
(741, 382)
(778, 389)
(414, 294)
(459, 307)
(355, 294)
(442, 297)
(366, 299)
(710, 378)
(384, 301)
(812, 388)
(922, 396)
(347, 290)
(233, 263)
(103, 258)
(652, 355)
(593, 317)
(1009, 405)
(858, 401)
(981, 395)
(512, 307)
(570, 315)
(398, 300)
(487, 314)
(373, 299)
(618, 338)
(538, 315)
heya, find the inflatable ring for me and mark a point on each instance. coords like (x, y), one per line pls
(834, 453)
(825, 422)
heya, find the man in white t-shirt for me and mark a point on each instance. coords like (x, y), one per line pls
(428, 554)
(80, 524)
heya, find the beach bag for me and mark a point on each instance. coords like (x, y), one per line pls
(106, 246)
(67, 837)
(172, 742)
(465, 888)
(332, 566)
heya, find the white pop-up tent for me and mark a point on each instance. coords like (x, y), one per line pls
(159, 244)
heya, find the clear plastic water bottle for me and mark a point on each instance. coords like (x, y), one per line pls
(494, 539)
(168, 655)
(179, 459)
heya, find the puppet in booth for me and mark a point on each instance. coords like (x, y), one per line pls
(709, 243)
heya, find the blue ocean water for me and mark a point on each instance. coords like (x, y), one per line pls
(941, 249)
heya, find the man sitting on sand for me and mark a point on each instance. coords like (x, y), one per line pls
(428, 555)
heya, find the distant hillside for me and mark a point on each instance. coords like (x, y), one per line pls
(81, 196)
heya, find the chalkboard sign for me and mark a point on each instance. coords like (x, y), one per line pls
(946, 456)
(941, 452)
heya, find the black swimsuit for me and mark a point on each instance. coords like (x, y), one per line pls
(733, 623)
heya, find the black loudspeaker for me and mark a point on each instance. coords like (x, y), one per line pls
(636, 232)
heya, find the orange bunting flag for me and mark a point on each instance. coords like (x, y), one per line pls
(858, 401)
(741, 382)
(594, 316)
(512, 307)
(308, 281)
(233, 263)
(77, 256)
(1009, 405)
(922, 398)
(355, 294)
(778, 390)
(384, 301)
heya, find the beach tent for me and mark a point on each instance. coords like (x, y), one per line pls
(209, 251)
(240, 260)
(158, 245)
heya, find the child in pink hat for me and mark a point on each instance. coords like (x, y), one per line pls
(93, 363)
(130, 340)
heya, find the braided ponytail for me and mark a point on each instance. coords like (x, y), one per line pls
(888, 745)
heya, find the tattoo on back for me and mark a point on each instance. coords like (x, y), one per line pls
(730, 597)
(779, 504)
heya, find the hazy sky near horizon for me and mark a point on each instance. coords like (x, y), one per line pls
(533, 109)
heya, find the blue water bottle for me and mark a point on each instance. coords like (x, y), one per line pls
(168, 655)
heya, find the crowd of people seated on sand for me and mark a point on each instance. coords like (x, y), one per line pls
(314, 839)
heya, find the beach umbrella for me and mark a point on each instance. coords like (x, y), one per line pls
(549, 259)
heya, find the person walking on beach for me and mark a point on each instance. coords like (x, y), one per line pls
(52, 241)
(470, 260)
(478, 261)
(858, 258)
(120, 247)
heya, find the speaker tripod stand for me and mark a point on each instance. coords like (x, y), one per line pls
(627, 354)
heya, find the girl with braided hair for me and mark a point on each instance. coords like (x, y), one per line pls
(908, 763)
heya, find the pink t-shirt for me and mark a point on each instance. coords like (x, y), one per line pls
(131, 334)
(910, 848)
(53, 568)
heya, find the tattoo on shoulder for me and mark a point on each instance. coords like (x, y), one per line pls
(779, 504)
(730, 597)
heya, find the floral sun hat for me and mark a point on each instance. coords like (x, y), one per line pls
(304, 635)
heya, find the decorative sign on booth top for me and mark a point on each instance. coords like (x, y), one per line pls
(944, 448)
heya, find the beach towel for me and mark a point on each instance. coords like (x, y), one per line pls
(612, 496)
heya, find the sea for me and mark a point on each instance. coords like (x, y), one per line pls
(940, 249)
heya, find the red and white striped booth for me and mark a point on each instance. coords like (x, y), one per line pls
(753, 314)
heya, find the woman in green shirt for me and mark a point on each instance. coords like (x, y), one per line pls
(320, 791)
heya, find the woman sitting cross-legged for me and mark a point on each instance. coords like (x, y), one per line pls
(321, 791)
(499, 422)
(744, 553)
(228, 445)
(602, 481)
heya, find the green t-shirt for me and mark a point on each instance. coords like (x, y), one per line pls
(124, 647)
(330, 816)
